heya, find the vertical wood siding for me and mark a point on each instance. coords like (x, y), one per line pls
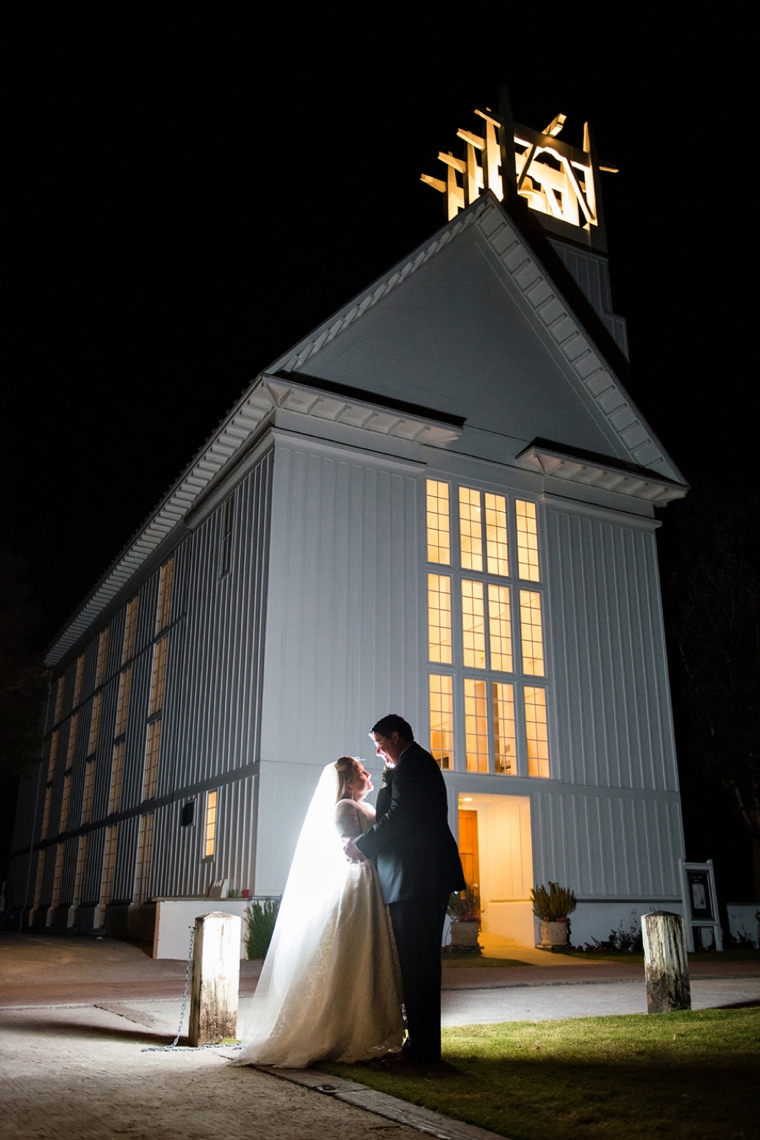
(344, 626)
(612, 700)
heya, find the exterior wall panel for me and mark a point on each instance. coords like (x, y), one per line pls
(613, 703)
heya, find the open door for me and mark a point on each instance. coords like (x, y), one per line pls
(497, 855)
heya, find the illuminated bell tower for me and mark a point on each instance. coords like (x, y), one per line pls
(546, 185)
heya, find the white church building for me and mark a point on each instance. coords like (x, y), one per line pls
(441, 502)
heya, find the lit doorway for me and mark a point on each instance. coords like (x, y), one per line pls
(497, 855)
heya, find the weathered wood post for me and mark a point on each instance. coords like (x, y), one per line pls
(666, 967)
(216, 978)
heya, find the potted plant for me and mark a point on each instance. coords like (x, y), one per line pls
(553, 907)
(464, 910)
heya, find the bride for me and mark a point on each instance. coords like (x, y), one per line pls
(330, 987)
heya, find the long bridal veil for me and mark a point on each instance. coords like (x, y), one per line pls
(329, 987)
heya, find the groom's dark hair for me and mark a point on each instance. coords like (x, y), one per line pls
(393, 723)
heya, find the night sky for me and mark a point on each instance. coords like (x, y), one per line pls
(195, 187)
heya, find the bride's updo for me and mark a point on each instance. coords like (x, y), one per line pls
(346, 769)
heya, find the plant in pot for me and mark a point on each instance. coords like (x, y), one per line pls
(553, 907)
(464, 910)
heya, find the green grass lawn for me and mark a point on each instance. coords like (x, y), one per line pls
(685, 1076)
(456, 959)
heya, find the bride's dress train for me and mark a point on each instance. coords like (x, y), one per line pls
(330, 986)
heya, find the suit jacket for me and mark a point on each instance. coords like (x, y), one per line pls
(415, 852)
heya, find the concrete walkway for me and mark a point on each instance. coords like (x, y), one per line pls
(79, 1012)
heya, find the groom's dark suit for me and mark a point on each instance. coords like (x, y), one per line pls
(418, 866)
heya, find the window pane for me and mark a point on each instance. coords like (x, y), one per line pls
(496, 535)
(532, 635)
(500, 628)
(504, 748)
(158, 676)
(92, 742)
(475, 725)
(117, 777)
(79, 674)
(473, 625)
(122, 704)
(527, 541)
(536, 734)
(165, 588)
(438, 537)
(439, 618)
(152, 752)
(470, 529)
(100, 668)
(144, 857)
(130, 629)
(89, 790)
(442, 721)
(210, 823)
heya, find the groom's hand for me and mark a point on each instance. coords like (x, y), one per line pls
(353, 854)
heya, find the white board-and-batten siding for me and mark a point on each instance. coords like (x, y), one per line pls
(211, 717)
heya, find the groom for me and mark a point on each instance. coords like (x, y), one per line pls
(418, 866)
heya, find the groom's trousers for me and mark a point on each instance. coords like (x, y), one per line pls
(418, 928)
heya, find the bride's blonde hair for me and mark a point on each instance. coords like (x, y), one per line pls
(346, 768)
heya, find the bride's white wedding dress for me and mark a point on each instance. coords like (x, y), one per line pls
(330, 985)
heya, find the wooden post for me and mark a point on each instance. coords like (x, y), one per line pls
(666, 966)
(216, 978)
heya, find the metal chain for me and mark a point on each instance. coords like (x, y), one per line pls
(174, 1047)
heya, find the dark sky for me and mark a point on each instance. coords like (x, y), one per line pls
(193, 189)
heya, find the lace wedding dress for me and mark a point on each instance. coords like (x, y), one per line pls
(330, 986)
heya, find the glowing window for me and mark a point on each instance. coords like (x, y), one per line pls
(81, 864)
(41, 861)
(65, 800)
(473, 625)
(536, 733)
(152, 754)
(475, 725)
(88, 792)
(130, 629)
(117, 776)
(72, 741)
(100, 668)
(58, 701)
(57, 876)
(53, 754)
(439, 618)
(107, 876)
(46, 810)
(496, 535)
(442, 720)
(144, 858)
(165, 589)
(122, 704)
(78, 676)
(500, 628)
(92, 742)
(438, 528)
(158, 676)
(504, 740)
(527, 541)
(470, 529)
(210, 833)
(531, 633)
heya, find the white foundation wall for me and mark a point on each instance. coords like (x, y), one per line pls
(596, 919)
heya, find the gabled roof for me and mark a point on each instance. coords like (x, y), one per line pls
(425, 330)
(363, 367)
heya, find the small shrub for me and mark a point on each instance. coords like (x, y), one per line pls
(260, 918)
(742, 940)
(628, 940)
(466, 906)
(554, 904)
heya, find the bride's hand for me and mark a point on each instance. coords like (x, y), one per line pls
(353, 854)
